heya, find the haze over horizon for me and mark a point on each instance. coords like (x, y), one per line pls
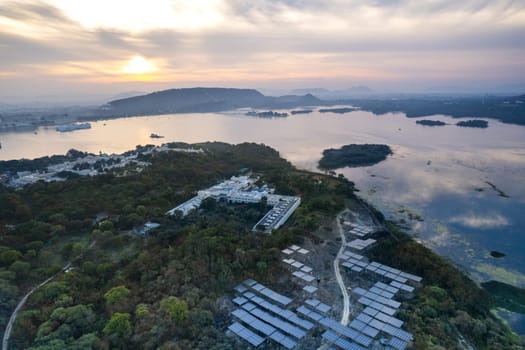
(88, 48)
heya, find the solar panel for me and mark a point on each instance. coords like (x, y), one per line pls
(339, 328)
(297, 264)
(288, 343)
(371, 332)
(387, 310)
(262, 327)
(240, 288)
(364, 301)
(392, 289)
(363, 340)
(347, 264)
(258, 287)
(249, 295)
(300, 322)
(397, 344)
(239, 300)
(371, 312)
(246, 334)
(400, 279)
(364, 318)
(310, 314)
(357, 269)
(323, 308)
(359, 291)
(248, 306)
(377, 324)
(357, 325)
(406, 288)
(276, 322)
(287, 251)
(312, 302)
(343, 343)
(298, 274)
(308, 278)
(277, 336)
(303, 310)
(330, 336)
(303, 251)
(361, 263)
(306, 269)
(250, 282)
(310, 289)
(315, 316)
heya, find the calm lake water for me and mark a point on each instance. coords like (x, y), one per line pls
(449, 176)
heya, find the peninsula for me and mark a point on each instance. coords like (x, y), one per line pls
(135, 277)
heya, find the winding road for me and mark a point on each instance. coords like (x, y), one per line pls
(346, 299)
(12, 319)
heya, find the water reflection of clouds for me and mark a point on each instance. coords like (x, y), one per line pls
(481, 221)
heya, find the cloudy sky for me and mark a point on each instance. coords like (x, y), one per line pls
(75, 47)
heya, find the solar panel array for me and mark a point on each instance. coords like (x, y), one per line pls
(402, 286)
(318, 305)
(285, 314)
(392, 273)
(348, 254)
(381, 299)
(360, 244)
(361, 230)
(267, 292)
(246, 334)
(304, 276)
(347, 332)
(258, 318)
(309, 313)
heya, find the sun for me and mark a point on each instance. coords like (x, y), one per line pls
(139, 65)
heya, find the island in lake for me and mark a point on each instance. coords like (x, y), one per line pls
(354, 155)
(473, 123)
(342, 110)
(427, 122)
(268, 114)
(301, 111)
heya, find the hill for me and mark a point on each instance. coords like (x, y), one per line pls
(200, 100)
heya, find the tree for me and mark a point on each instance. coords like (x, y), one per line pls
(8, 257)
(21, 268)
(118, 325)
(176, 308)
(117, 298)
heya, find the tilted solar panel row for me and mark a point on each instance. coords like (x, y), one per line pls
(246, 334)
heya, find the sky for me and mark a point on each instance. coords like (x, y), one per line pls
(96, 47)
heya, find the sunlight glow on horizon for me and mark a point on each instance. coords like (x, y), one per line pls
(139, 65)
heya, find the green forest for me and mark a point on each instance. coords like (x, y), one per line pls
(168, 290)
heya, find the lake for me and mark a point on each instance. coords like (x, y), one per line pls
(460, 191)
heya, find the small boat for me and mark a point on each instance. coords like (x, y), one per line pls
(71, 127)
(156, 136)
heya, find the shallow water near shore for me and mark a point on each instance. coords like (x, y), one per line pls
(461, 191)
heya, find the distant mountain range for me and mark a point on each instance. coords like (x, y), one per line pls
(341, 93)
(200, 100)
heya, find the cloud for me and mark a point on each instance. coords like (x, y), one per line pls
(342, 41)
(482, 222)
